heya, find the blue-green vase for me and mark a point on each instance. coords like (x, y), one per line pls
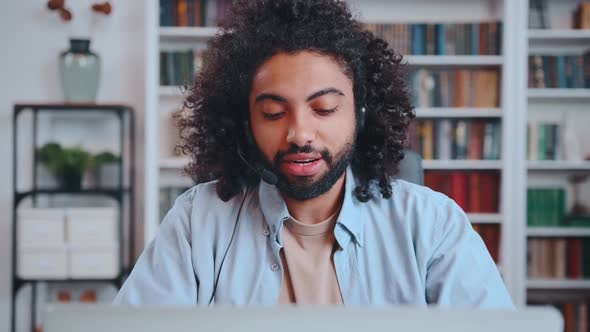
(80, 72)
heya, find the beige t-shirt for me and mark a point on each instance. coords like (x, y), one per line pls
(309, 276)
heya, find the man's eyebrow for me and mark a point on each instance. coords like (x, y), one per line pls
(271, 96)
(324, 92)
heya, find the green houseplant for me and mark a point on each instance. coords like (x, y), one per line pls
(107, 170)
(67, 164)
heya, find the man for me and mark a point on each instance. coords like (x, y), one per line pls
(298, 93)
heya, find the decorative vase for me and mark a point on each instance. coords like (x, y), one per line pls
(80, 72)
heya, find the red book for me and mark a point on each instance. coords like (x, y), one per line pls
(483, 38)
(475, 195)
(569, 317)
(475, 149)
(494, 235)
(459, 189)
(574, 259)
(490, 184)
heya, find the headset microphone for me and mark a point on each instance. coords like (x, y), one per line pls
(266, 175)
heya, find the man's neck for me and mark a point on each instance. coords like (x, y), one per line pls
(313, 211)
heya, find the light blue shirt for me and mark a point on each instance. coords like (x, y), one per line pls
(416, 248)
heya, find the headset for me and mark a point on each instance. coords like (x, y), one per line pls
(266, 176)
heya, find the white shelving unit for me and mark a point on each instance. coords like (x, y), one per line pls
(173, 163)
(462, 164)
(558, 106)
(187, 32)
(559, 231)
(564, 166)
(559, 93)
(516, 99)
(558, 284)
(545, 35)
(454, 112)
(454, 60)
(485, 218)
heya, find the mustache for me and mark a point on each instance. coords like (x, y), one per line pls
(294, 148)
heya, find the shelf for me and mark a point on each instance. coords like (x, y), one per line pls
(558, 284)
(114, 193)
(173, 163)
(461, 164)
(187, 32)
(454, 60)
(556, 165)
(485, 218)
(558, 35)
(558, 231)
(458, 112)
(558, 93)
(170, 91)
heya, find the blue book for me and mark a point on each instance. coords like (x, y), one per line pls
(418, 39)
(474, 38)
(441, 39)
(561, 82)
(163, 13)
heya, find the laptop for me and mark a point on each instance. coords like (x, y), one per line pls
(93, 318)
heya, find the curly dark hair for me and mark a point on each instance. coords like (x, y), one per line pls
(212, 127)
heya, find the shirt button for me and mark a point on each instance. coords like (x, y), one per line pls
(274, 228)
(274, 267)
(265, 231)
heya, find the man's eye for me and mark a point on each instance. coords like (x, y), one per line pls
(273, 116)
(326, 112)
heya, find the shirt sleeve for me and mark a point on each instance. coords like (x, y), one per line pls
(164, 272)
(461, 272)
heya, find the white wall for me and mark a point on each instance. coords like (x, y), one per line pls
(31, 38)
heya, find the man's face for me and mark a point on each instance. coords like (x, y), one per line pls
(303, 121)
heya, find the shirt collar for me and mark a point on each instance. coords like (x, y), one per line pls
(276, 213)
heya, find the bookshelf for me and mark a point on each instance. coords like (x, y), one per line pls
(556, 166)
(558, 231)
(564, 249)
(187, 32)
(559, 94)
(518, 105)
(566, 284)
(462, 164)
(454, 60)
(458, 112)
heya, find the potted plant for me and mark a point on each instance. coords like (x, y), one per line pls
(107, 170)
(67, 164)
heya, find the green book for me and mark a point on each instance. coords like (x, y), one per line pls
(586, 258)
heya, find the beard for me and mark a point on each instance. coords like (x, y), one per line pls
(303, 188)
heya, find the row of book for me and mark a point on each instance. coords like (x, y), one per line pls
(168, 195)
(490, 234)
(545, 206)
(473, 191)
(544, 141)
(179, 67)
(574, 312)
(195, 13)
(456, 139)
(558, 258)
(455, 88)
(559, 71)
(480, 38)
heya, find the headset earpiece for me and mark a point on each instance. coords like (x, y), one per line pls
(361, 119)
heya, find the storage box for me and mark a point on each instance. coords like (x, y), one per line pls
(93, 262)
(92, 226)
(41, 227)
(42, 263)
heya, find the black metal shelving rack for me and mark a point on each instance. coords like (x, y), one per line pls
(124, 114)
